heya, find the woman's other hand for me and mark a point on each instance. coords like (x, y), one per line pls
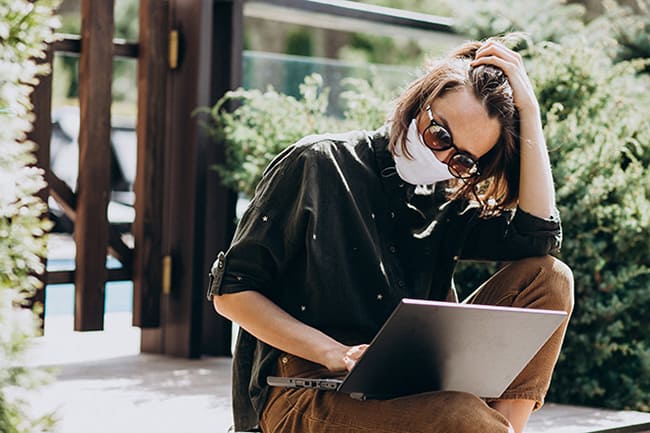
(345, 358)
(510, 62)
(353, 355)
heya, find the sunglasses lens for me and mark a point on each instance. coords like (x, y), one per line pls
(463, 166)
(437, 138)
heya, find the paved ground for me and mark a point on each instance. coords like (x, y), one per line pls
(104, 385)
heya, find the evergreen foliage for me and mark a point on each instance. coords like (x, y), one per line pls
(600, 148)
(594, 98)
(24, 27)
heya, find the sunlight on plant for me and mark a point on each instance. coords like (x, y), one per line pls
(24, 28)
(265, 123)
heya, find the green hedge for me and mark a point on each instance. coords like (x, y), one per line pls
(24, 27)
(597, 130)
(600, 141)
(595, 97)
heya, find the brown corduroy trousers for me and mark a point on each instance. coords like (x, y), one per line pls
(539, 282)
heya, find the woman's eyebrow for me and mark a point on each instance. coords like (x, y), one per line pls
(444, 123)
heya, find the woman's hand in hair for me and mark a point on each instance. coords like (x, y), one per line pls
(510, 62)
(536, 190)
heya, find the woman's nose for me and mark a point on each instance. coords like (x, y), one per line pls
(443, 155)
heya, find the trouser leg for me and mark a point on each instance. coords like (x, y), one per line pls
(538, 282)
(313, 411)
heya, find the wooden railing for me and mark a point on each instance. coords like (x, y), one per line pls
(183, 216)
(87, 208)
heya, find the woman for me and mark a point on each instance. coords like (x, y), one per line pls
(338, 233)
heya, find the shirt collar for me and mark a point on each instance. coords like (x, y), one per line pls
(394, 186)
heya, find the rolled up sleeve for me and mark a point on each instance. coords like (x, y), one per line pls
(270, 230)
(511, 236)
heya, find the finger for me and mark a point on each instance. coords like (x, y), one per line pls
(349, 363)
(500, 51)
(355, 352)
(505, 65)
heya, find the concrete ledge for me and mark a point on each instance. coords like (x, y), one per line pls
(576, 419)
(103, 385)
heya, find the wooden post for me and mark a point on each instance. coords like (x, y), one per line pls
(41, 134)
(195, 210)
(149, 181)
(93, 184)
(219, 201)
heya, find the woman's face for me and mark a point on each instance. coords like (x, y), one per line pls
(466, 120)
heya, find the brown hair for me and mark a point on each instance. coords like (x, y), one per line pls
(498, 183)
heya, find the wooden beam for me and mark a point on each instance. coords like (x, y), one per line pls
(178, 331)
(68, 277)
(226, 67)
(353, 16)
(149, 181)
(93, 189)
(71, 44)
(41, 134)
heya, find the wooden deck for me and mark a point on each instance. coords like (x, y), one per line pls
(104, 385)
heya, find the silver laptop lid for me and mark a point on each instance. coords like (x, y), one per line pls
(429, 345)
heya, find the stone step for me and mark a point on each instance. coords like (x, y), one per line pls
(557, 418)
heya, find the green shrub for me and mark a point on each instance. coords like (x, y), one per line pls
(600, 147)
(594, 104)
(549, 20)
(267, 122)
(631, 29)
(24, 27)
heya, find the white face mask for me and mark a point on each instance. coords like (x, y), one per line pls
(424, 168)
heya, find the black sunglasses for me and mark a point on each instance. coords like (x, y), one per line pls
(436, 137)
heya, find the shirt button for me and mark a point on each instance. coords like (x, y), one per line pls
(372, 215)
(456, 258)
(238, 278)
(380, 296)
(285, 359)
(392, 249)
(303, 308)
(392, 215)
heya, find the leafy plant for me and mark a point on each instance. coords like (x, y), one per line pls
(543, 21)
(24, 29)
(600, 143)
(599, 140)
(264, 123)
(631, 29)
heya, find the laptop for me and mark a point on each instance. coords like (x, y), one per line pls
(429, 346)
